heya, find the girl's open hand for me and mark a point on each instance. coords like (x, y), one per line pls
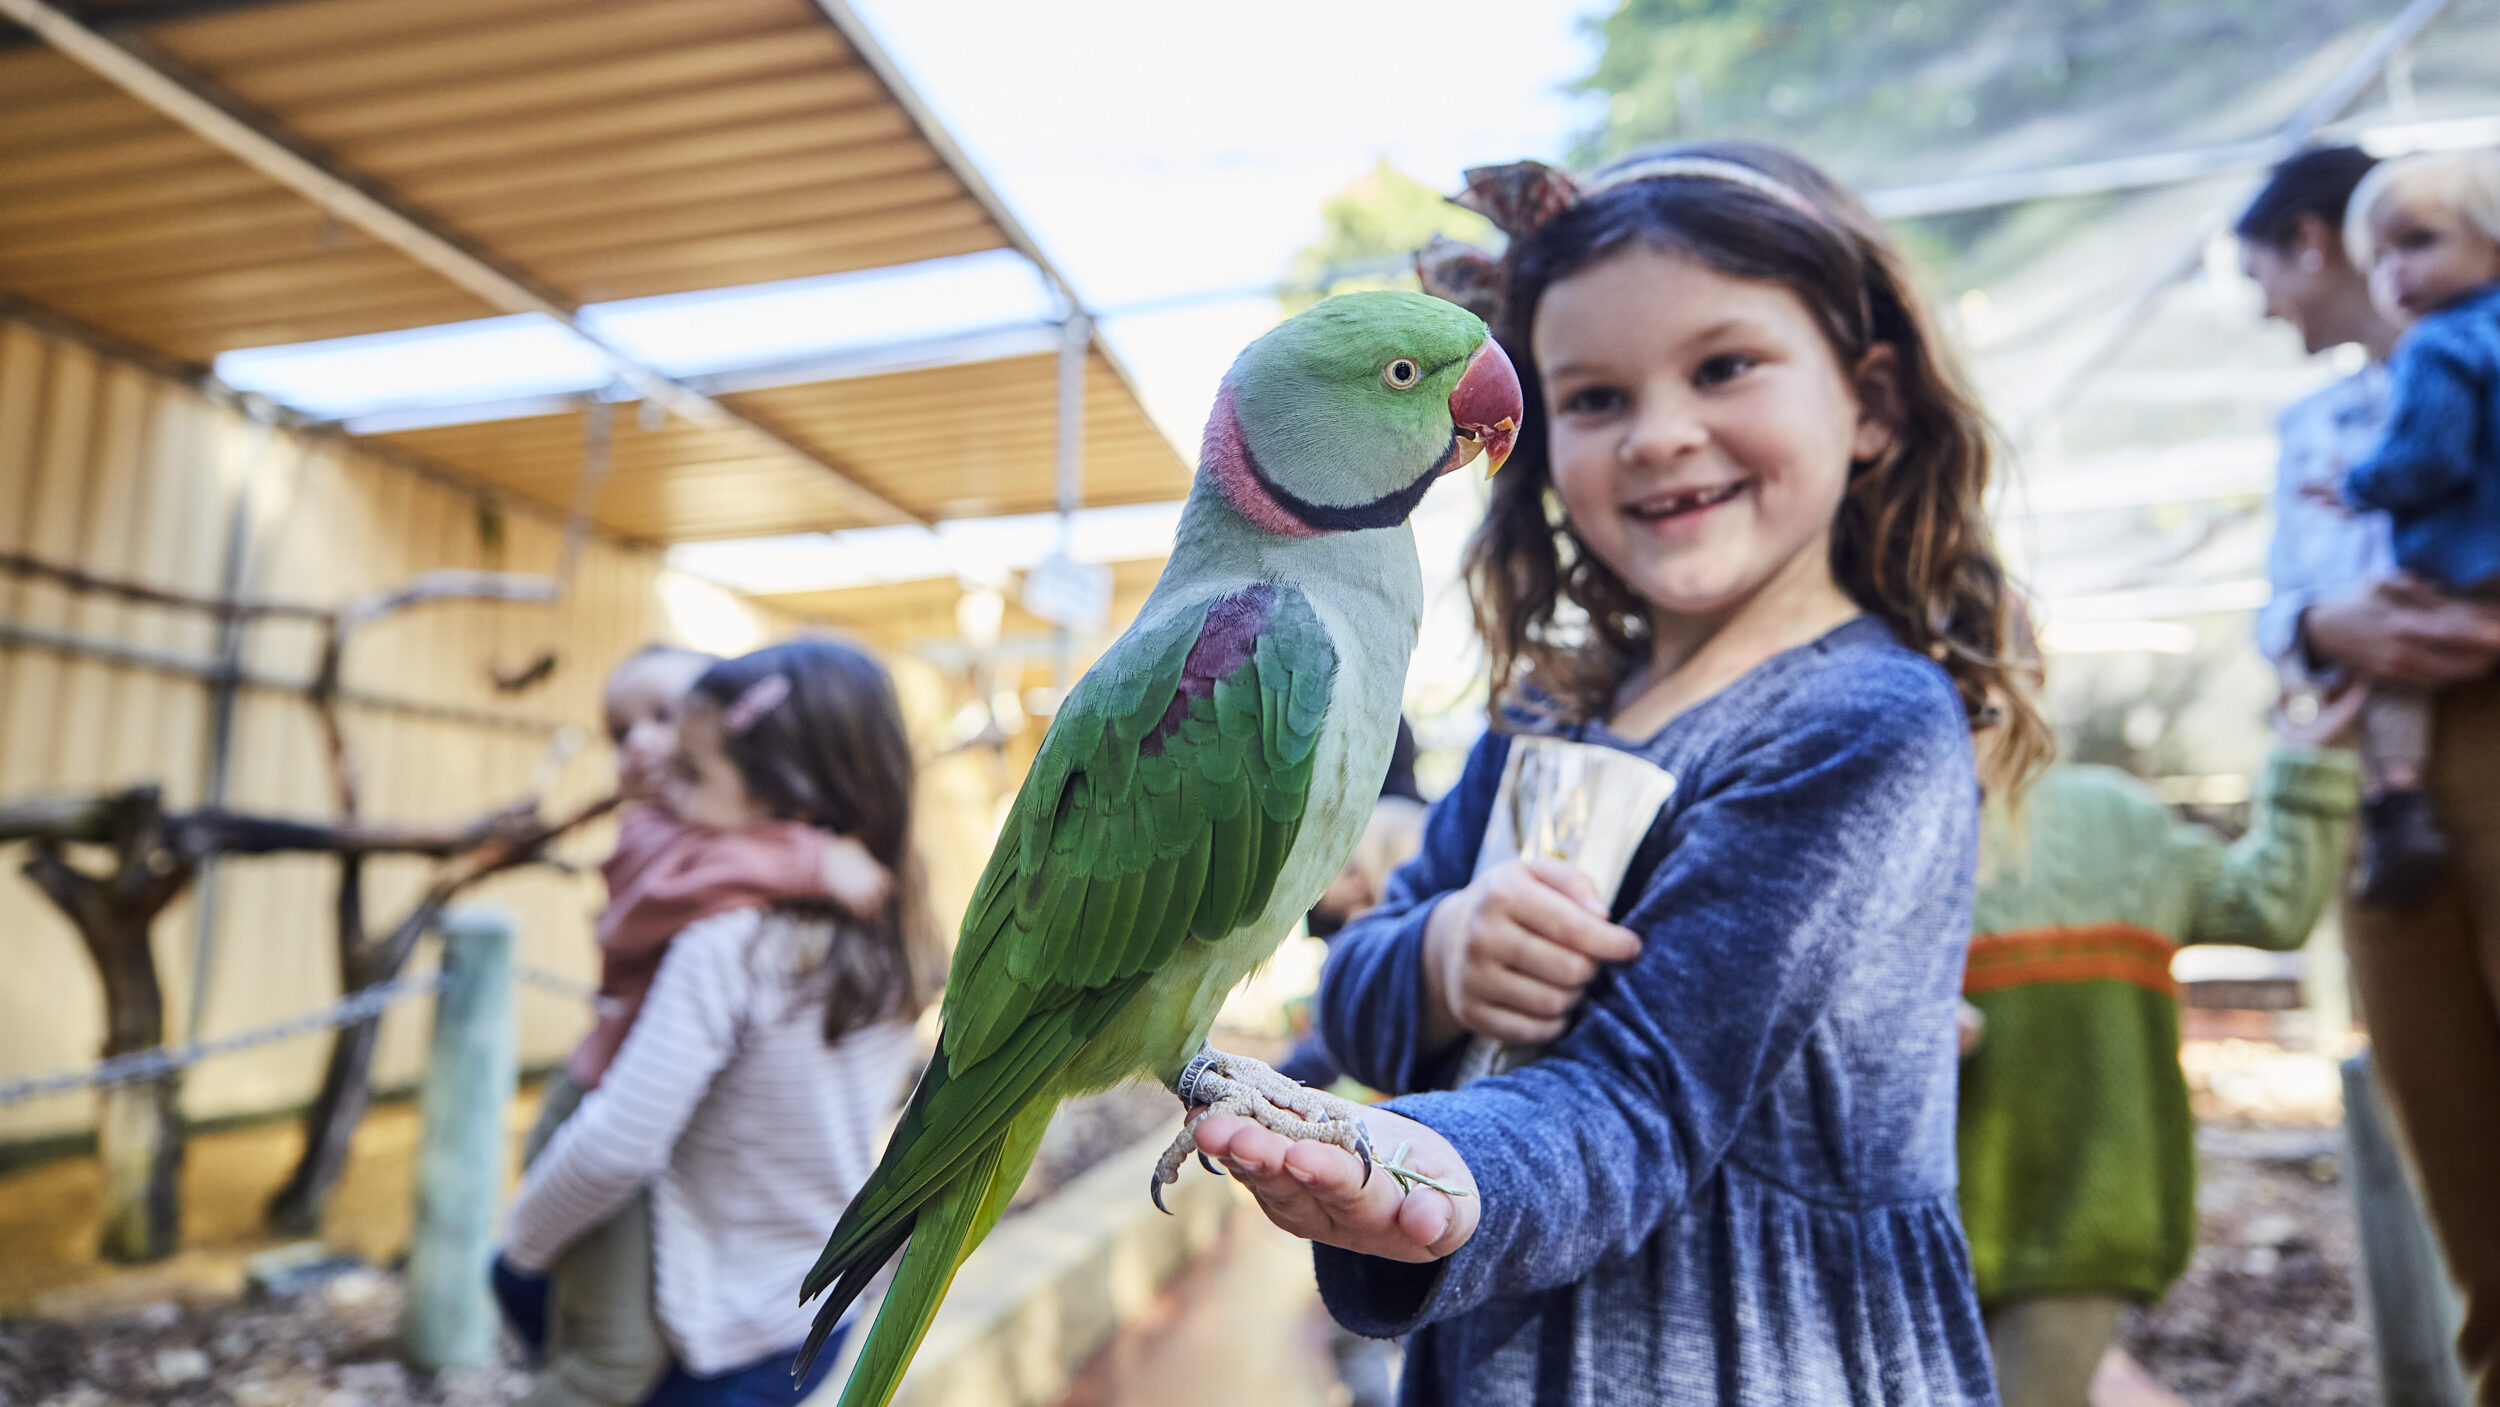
(1510, 955)
(1317, 1192)
(854, 879)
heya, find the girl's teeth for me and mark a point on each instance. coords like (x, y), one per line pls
(1687, 502)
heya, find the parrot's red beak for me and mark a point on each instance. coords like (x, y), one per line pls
(1485, 407)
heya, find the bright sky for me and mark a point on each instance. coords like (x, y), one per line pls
(1173, 156)
(1158, 154)
(1156, 149)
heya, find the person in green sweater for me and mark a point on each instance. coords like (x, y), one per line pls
(2077, 1146)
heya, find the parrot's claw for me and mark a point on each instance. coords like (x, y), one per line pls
(1154, 1189)
(1209, 1163)
(1216, 1083)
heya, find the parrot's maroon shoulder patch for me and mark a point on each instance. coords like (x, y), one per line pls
(1232, 630)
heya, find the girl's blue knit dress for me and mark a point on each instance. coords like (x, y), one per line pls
(1732, 1182)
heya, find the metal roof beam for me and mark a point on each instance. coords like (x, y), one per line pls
(997, 343)
(873, 57)
(2160, 168)
(193, 103)
(2328, 104)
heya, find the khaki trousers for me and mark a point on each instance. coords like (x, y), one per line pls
(2047, 1349)
(604, 1347)
(2428, 982)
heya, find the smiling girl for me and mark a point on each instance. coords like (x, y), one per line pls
(1744, 540)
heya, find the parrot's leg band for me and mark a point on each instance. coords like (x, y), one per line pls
(1197, 1068)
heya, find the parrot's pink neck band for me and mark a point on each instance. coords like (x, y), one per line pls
(1227, 459)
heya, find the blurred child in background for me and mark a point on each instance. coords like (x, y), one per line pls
(2427, 230)
(595, 1321)
(2076, 1143)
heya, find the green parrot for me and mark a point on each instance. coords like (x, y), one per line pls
(1197, 791)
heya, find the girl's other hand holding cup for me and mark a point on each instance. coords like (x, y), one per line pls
(1511, 956)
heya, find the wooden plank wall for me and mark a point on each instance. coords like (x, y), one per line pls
(125, 472)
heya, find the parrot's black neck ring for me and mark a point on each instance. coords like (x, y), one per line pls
(1386, 511)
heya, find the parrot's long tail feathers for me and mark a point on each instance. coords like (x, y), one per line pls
(855, 1278)
(948, 1227)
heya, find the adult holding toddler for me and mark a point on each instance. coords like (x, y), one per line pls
(2426, 971)
(2426, 949)
(771, 1039)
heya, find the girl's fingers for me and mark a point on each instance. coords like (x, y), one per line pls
(1511, 1028)
(1559, 919)
(1427, 1218)
(1515, 991)
(1570, 879)
(1317, 1191)
(1538, 960)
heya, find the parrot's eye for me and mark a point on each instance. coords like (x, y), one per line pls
(1402, 373)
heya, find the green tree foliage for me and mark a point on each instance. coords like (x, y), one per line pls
(1368, 230)
(1883, 90)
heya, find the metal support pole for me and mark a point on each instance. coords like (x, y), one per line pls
(2329, 103)
(2414, 1313)
(225, 681)
(1077, 335)
(448, 1319)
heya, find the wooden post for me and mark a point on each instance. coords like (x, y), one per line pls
(448, 1317)
(139, 1125)
(2414, 1313)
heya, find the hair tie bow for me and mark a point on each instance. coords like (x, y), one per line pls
(1521, 196)
(753, 702)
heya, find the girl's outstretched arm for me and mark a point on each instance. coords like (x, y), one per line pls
(2267, 889)
(1821, 875)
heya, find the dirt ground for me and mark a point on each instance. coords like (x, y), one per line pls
(74, 1333)
(2268, 1313)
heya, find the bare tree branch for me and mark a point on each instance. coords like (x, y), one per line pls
(194, 836)
(89, 583)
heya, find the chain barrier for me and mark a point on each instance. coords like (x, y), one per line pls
(156, 1062)
(546, 980)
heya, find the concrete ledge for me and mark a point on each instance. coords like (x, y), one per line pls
(1054, 1281)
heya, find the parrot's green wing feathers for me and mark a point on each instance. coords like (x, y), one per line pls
(1160, 809)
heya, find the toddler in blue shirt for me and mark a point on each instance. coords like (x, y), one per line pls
(2427, 230)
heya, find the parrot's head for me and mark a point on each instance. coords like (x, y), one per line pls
(1343, 415)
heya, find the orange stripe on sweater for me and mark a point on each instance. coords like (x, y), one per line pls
(2119, 952)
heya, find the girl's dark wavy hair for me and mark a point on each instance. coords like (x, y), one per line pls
(834, 755)
(1912, 545)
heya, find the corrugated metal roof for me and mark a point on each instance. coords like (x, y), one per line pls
(963, 441)
(591, 149)
(609, 150)
(903, 615)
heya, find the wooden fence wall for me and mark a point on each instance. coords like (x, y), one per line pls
(123, 471)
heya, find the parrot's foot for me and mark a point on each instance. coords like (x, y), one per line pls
(1216, 1083)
